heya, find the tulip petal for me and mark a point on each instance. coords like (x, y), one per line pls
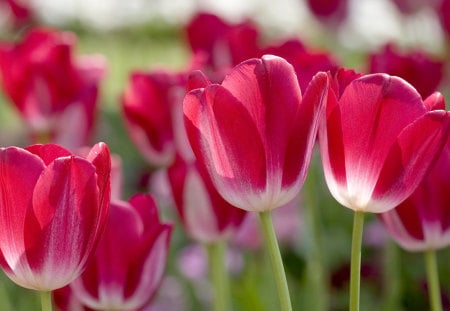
(60, 230)
(49, 152)
(19, 172)
(409, 159)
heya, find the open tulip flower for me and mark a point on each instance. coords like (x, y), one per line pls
(55, 93)
(129, 262)
(377, 143)
(53, 209)
(254, 135)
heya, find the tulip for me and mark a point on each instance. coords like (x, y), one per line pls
(152, 109)
(424, 72)
(129, 262)
(53, 211)
(54, 92)
(222, 45)
(331, 12)
(254, 135)
(377, 143)
(206, 216)
(421, 223)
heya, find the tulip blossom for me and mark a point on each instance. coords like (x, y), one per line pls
(129, 262)
(424, 72)
(16, 12)
(54, 207)
(222, 45)
(379, 140)
(254, 133)
(443, 12)
(306, 62)
(206, 216)
(54, 91)
(422, 221)
(152, 109)
(332, 12)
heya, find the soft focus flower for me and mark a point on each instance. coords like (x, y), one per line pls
(221, 45)
(129, 262)
(254, 133)
(415, 66)
(206, 216)
(379, 140)
(443, 12)
(306, 61)
(152, 108)
(409, 7)
(17, 12)
(54, 91)
(330, 12)
(54, 207)
(422, 221)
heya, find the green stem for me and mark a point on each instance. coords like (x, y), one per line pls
(275, 258)
(46, 301)
(317, 271)
(433, 280)
(218, 275)
(355, 268)
(391, 278)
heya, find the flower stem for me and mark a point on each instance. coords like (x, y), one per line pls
(355, 269)
(218, 274)
(392, 287)
(46, 300)
(433, 280)
(275, 258)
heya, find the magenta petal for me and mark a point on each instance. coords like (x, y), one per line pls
(48, 152)
(224, 144)
(410, 159)
(61, 233)
(20, 171)
(435, 101)
(197, 80)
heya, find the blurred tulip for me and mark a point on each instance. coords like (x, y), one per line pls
(55, 93)
(18, 13)
(220, 44)
(254, 133)
(379, 140)
(305, 61)
(206, 216)
(53, 211)
(443, 12)
(129, 262)
(152, 108)
(415, 66)
(330, 12)
(422, 221)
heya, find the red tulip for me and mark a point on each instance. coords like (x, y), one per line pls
(415, 66)
(305, 61)
(55, 93)
(443, 12)
(152, 108)
(20, 12)
(129, 262)
(206, 216)
(379, 140)
(54, 207)
(222, 45)
(332, 12)
(254, 133)
(422, 221)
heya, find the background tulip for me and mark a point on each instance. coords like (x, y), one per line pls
(53, 211)
(129, 262)
(54, 91)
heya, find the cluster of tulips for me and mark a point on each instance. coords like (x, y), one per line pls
(233, 135)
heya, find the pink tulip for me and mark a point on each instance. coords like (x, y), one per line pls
(221, 44)
(422, 221)
(152, 108)
(423, 71)
(378, 140)
(129, 262)
(55, 93)
(53, 211)
(254, 133)
(206, 216)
